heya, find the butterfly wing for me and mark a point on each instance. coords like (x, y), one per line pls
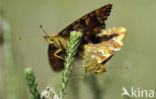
(91, 23)
(98, 54)
(56, 63)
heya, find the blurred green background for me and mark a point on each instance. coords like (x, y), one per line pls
(25, 16)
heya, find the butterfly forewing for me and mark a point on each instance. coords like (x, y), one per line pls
(91, 23)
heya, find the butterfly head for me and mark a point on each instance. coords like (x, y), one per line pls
(47, 37)
(55, 41)
(50, 38)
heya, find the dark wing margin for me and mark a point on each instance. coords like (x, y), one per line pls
(105, 61)
(90, 24)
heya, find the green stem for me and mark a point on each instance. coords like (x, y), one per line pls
(32, 84)
(75, 38)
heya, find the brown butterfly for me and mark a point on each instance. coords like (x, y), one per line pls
(90, 25)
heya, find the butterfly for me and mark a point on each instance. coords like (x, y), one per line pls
(89, 25)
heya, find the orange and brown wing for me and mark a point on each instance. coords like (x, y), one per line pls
(106, 48)
(99, 53)
(91, 23)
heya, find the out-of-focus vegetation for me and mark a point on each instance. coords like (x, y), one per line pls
(31, 82)
(138, 52)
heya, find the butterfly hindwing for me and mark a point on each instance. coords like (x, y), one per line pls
(96, 55)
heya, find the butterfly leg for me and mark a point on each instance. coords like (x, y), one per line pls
(58, 51)
(80, 54)
(81, 77)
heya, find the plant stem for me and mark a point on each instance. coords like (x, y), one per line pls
(32, 84)
(75, 38)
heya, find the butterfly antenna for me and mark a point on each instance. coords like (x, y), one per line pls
(47, 37)
(41, 26)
